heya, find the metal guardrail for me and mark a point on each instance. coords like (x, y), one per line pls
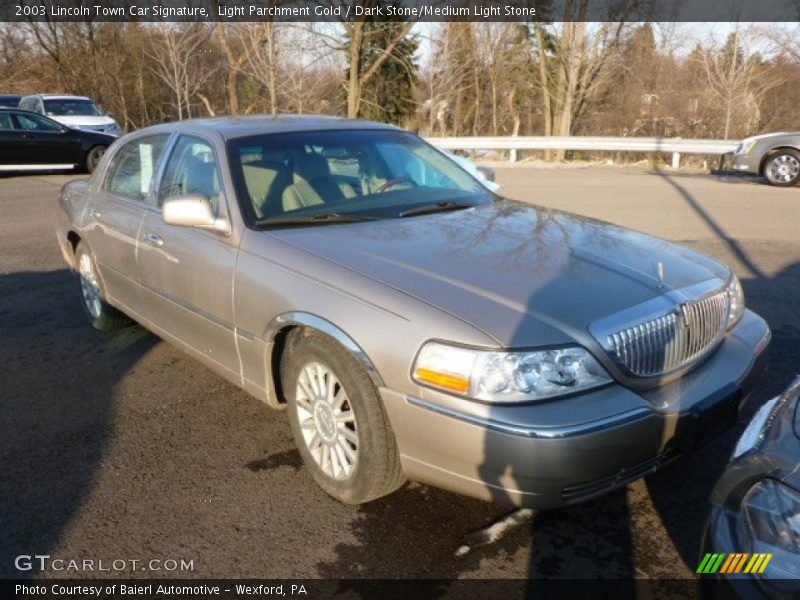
(676, 146)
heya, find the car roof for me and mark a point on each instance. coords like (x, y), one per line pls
(242, 126)
(61, 97)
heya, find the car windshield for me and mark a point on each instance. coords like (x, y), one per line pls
(335, 176)
(66, 107)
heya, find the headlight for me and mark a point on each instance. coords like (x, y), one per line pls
(114, 129)
(753, 434)
(736, 301)
(772, 517)
(507, 376)
(745, 147)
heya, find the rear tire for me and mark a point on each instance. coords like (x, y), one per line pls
(102, 316)
(782, 167)
(338, 420)
(93, 157)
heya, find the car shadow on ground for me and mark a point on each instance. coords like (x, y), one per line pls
(50, 450)
(606, 538)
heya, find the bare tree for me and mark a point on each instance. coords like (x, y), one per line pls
(262, 43)
(175, 51)
(738, 78)
(574, 65)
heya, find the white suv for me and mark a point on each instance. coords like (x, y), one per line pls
(78, 112)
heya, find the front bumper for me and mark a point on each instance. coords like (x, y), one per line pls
(747, 163)
(569, 450)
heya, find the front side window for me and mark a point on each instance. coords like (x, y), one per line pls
(191, 170)
(72, 108)
(359, 173)
(36, 123)
(133, 167)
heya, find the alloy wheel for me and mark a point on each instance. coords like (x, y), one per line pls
(327, 421)
(94, 158)
(783, 168)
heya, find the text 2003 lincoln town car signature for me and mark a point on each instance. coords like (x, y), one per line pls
(415, 324)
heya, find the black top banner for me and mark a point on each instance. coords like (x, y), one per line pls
(400, 10)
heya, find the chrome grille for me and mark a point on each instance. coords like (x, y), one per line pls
(673, 340)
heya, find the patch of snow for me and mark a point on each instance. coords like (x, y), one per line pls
(496, 531)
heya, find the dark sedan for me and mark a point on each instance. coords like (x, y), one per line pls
(31, 142)
(9, 100)
(752, 541)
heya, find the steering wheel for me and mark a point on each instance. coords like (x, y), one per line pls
(393, 182)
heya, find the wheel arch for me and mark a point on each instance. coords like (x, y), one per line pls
(74, 239)
(68, 244)
(276, 335)
(771, 152)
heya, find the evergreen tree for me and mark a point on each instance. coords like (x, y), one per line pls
(389, 95)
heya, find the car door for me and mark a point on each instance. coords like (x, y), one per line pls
(187, 273)
(115, 213)
(10, 139)
(45, 142)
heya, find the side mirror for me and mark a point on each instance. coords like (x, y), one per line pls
(193, 211)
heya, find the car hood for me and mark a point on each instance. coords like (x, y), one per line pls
(770, 136)
(522, 274)
(82, 121)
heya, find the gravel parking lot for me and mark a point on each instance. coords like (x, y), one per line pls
(122, 447)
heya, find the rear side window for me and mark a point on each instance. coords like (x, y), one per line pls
(134, 166)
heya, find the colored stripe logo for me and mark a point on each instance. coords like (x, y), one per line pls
(737, 562)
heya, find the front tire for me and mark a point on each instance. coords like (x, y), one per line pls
(102, 316)
(338, 420)
(782, 167)
(92, 158)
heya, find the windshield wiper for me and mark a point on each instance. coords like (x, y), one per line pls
(434, 208)
(314, 220)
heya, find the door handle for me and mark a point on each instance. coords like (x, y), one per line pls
(95, 213)
(153, 239)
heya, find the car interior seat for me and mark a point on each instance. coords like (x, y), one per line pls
(312, 184)
(265, 181)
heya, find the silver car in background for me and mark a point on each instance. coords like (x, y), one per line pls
(414, 324)
(77, 112)
(775, 156)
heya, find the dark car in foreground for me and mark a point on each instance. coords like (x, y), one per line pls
(413, 323)
(32, 142)
(754, 526)
(775, 156)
